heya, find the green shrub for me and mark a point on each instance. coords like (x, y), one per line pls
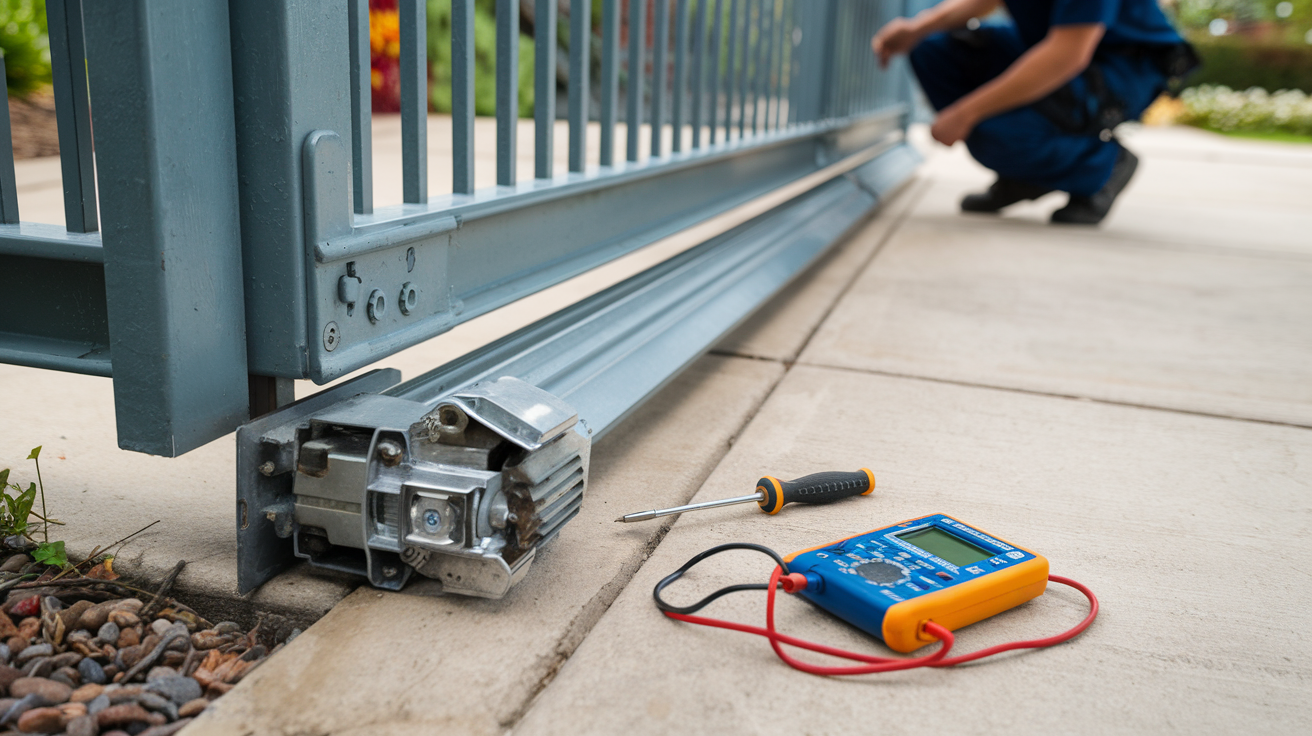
(485, 56)
(1254, 110)
(1240, 64)
(25, 45)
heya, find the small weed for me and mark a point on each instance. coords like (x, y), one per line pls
(16, 514)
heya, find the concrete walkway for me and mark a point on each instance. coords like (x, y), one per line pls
(1132, 401)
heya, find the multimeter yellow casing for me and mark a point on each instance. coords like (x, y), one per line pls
(890, 581)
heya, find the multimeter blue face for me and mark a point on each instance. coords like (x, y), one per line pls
(861, 577)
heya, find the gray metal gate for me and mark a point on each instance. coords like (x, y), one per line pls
(236, 246)
(221, 239)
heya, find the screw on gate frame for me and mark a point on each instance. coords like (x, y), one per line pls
(332, 336)
(409, 297)
(377, 305)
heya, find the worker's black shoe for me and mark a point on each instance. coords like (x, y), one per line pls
(1003, 193)
(1090, 210)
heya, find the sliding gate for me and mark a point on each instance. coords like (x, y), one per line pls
(222, 240)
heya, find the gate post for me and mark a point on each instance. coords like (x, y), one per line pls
(160, 74)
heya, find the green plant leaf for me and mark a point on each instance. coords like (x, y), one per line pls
(51, 553)
(36, 452)
(4, 479)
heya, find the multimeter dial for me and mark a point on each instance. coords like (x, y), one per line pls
(882, 572)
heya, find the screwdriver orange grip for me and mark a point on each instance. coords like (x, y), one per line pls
(824, 487)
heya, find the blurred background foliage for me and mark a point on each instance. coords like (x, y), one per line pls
(1249, 43)
(24, 43)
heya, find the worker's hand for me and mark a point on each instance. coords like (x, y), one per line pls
(953, 124)
(898, 36)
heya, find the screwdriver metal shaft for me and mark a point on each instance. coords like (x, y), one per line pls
(657, 513)
(772, 493)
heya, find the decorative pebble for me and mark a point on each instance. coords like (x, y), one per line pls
(83, 726)
(30, 627)
(128, 638)
(15, 563)
(159, 626)
(41, 720)
(124, 619)
(227, 627)
(131, 605)
(108, 632)
(96, 616)
(73, 710)
(121, 715)
(87, 693)
(208, 640)
(21, 706)
(91, 671)
(193, 708)
(29, 606)
(36, 650)
(67, 659)
(159, 705)
(166, 730)
(97, 704)
(66, 675)
(16, 645)
(7, 676)
(52, 692)
(180, 690)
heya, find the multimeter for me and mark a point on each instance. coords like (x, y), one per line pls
(889, 582)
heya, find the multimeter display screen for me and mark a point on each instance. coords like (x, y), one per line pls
(947, 546)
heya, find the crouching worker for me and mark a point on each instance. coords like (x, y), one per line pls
(1036, 99)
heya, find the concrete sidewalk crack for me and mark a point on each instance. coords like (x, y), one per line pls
(1057, 395)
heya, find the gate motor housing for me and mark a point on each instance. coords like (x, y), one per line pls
(464, 491)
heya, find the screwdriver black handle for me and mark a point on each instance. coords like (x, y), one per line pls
(815, 488)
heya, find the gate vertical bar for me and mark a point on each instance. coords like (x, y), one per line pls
(161, 83)
(698, 70)
(758, 81)
(637, 40)
(610, 78)
(68, 69)
(544, 87)
(680, 74)
(462, 96)
(580, 89)
(742, 68)
(507, 90)
(787, 59)
(713, 70)
(729, 72)
(659, 58)
(362, 153)
(414, 100)
(768, 67)
(8, 182)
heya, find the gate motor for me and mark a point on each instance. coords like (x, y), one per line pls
(464, 491)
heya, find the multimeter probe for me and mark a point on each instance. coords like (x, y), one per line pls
(909, 584)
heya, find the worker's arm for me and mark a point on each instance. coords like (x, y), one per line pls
(900, 35)
(1059, 57)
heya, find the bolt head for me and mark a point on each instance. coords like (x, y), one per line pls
(377, 305)
(432, 520)
(332, 336)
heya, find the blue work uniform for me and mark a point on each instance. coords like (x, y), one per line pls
(1031, 144)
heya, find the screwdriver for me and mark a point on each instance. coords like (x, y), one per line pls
(771, 493)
